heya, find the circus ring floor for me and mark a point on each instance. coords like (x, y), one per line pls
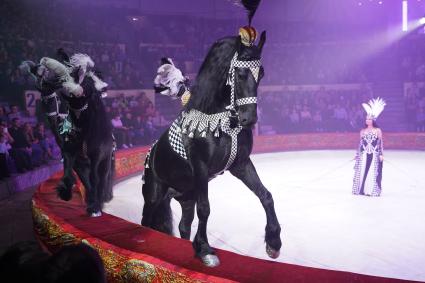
(328, 234)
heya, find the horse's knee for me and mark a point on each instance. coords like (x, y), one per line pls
(267, 198)
(203, 210)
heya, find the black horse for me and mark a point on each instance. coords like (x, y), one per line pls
(85, 136)
(212, 134)
(49, 99)
(89, 147)
(47, 84)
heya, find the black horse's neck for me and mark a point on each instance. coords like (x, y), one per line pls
(210, 94)
(88, 113)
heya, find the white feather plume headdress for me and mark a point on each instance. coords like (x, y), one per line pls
(374, 108)
(62, 72)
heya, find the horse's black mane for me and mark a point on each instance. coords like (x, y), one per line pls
(210, 84)
(99, 124)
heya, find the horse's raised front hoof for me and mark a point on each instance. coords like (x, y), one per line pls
(64, 193)
(96, 214)
(210, 260)
(272, 252)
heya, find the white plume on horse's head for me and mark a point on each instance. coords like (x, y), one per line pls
(98, 83)
(81, 60)
(57, 70)
(170, 79)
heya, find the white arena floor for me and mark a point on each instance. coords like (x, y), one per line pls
(323, 224)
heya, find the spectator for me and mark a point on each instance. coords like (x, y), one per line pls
(46, 144)
(5, 131)
(4, 155)
(3, 115)
(341, 116)
(159, 122)
(129, 122)
(420, 120)
(295, 120)
(317, 121)
(36, 150)
(305, 118)
(141, 135)
(14, 113)
(121, 132)
(21, 148)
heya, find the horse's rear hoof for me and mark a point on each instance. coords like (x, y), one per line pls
(272, 252)
(96, 214)
(64, 193)
(210, 260)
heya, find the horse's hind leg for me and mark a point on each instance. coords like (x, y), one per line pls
(104, 187)
(248, 175)
(82, 167)
(156, 209)
(188, 213)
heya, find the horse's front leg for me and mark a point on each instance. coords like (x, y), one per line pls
(202, 248)
(248, 175)
(188, 213)
(64, 188)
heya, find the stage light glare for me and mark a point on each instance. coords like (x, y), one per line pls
(422, 21)
(405, 17)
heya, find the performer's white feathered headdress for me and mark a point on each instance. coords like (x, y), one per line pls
(374, 108)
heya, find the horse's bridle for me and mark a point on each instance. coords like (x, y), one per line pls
(254, 67)
(47, 98)
(78, 111)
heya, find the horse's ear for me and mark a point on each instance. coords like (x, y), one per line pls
(62, 55)
(262, 41)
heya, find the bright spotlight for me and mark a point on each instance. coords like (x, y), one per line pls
(422, 21)
(405, 6)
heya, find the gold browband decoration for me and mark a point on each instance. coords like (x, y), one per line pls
(248, 35)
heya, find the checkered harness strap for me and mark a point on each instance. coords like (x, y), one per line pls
(254, 67)
(46, 98)
(78, 112)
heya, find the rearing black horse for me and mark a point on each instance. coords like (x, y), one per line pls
(212, 134)
(90, 148)
(85, 136)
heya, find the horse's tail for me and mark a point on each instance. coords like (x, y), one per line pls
(163, 219)
(108, 191)
(157, 216)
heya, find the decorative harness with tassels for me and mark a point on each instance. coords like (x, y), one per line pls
(198, 123)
